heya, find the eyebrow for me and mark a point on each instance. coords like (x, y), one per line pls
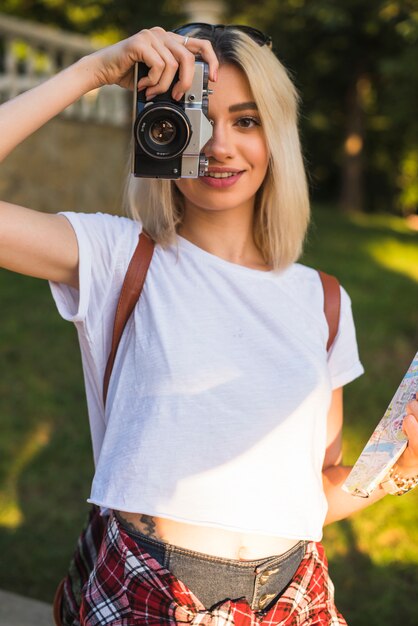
(242, 106)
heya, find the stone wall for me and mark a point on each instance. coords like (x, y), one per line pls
(68, 165)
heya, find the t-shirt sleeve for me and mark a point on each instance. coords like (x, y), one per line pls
(105, 245)
(343, 358)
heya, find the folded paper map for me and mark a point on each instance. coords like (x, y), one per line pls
(387, 442)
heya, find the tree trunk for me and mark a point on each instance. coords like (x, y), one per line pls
(352, 184)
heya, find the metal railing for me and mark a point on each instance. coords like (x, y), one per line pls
(30, 53)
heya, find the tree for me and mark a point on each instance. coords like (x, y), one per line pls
(96, 17)
(352, 61)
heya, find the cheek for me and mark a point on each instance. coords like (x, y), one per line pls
(260, 156)
(186, 186)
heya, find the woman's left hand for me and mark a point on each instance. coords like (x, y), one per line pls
(408, 462)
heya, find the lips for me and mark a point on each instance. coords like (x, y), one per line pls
(219, 178)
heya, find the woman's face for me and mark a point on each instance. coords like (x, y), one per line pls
(237, 152)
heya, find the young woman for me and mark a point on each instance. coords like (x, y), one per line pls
(218, 453)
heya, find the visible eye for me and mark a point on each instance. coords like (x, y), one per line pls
(248, 122)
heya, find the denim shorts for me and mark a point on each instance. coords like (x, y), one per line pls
(214, 579)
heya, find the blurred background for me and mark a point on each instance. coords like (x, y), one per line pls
(355, 66)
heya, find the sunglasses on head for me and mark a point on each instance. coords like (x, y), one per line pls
(255, 34)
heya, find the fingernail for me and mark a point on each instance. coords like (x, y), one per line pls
(178, 95)
(215, 75)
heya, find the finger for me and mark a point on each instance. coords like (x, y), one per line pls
(155, 74)
(412, 407)
(410, 428)
(186, 66)
(409, 459)
(156, 64)
(143, 83)
(171, 65)
(204, 48)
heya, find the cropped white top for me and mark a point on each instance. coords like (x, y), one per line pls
(217, 405)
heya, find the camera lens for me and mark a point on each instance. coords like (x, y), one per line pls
(163, 131)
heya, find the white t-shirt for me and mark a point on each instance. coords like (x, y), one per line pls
(217, 405)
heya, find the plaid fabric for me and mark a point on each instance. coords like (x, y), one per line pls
(129, 588)
(83, 562)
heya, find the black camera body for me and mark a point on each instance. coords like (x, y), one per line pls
(168, 134)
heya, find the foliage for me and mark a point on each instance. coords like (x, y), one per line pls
(45, 456)
(105, 19)
(329, 47)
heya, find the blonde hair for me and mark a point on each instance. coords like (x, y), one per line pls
(281, 215)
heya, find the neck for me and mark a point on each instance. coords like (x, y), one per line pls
(223, 235)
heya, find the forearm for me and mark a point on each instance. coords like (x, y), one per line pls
(340, 503)
(23, 115)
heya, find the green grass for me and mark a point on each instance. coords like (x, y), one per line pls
(45, 454)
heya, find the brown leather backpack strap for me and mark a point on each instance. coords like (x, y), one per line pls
(129, 295)
(332, 305)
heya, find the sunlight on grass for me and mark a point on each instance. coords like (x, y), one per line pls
(11, 515)
(396, 224)
(397, 256)
(385, 533)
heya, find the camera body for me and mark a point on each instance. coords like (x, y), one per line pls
(168, 134)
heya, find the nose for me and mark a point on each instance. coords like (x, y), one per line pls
(220, 147)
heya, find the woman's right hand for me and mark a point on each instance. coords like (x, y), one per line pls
(162, 51)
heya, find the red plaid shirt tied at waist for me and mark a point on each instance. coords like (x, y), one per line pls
(130, 588)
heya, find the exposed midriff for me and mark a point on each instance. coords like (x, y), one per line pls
(213, 541)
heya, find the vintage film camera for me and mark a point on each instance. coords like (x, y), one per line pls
(169, 135)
